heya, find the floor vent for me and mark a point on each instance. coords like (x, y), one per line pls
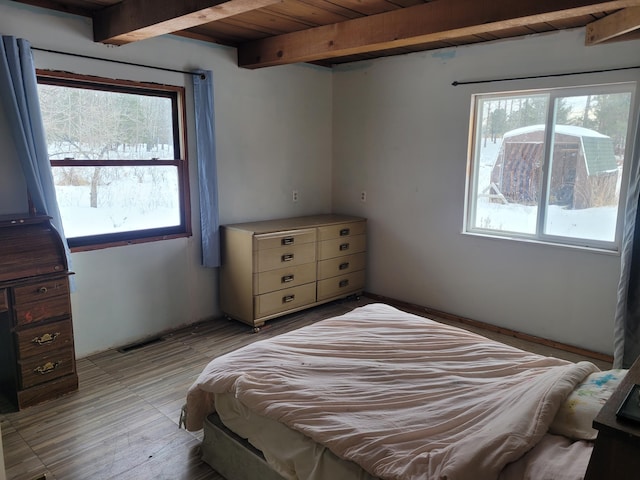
(141, 344)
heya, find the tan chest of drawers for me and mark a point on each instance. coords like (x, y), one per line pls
(36, 331)
(275, 267)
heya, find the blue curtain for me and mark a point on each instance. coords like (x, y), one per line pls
(19, 96)
(627, 320)
(207, 169)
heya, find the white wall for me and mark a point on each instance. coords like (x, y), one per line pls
(394, 127)
(401, 133)
(273, 136)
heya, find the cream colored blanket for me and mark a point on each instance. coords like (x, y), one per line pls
(403, 396)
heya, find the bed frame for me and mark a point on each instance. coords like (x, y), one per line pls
(232, 456)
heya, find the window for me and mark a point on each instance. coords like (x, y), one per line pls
(549, 165)
(117, 153)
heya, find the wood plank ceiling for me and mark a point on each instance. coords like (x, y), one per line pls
(330, 32)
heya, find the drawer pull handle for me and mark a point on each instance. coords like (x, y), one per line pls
(343, 283)
(287, 241)
(43, 290)
(288, 298)
(344, 232)
(344, 246)
(46, 338)
(287, 257)
(287, 278)
(343, 266)
(46, 368)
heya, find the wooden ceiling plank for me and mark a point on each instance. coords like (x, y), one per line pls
(331, 7)
(369, 7)
(613, 26)
(429, 22)
(230, 28)
(575, 22)
(269, 25)
(311, 15)
(134, 20)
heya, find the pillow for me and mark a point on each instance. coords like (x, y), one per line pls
(575, 417)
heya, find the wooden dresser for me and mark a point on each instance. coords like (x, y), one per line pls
(37, 357)
(275, 267)
(616, 454)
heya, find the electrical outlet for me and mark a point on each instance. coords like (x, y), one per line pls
(363, 196)
(294, 195)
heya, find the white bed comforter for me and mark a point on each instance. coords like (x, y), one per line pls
(403, 396)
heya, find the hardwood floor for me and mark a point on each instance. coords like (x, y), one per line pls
(123, 422)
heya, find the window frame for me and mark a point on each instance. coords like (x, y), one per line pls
(554, 93)
(180, 160)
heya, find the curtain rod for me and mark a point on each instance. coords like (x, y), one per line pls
(473, 82)
(117, 61)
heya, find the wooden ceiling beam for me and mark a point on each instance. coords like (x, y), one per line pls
(134, 20)
(434, 21)
(613, 27)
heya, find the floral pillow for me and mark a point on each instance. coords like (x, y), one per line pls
(575, 417)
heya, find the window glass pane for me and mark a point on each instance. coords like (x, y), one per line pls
(586, 165)
(91, 124)
(103, 200)
(509, 152)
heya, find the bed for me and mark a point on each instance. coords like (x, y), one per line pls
(381, 393)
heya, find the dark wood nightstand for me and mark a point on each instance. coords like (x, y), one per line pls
(616, 454)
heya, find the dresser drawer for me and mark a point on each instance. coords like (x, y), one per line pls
(272, 280)
(341, 286)
(4, 306)
(41, 369)
(341, 265)
(339, 247)
(283, 239)
(282, 300)
(282, 257)
(29, 313)
(341, 230)
(43, 290)
(44, 339)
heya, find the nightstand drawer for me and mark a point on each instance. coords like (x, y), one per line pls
(44, 338)
(282, 300)
(273, 280)
(43, 368)
(339, 247)
(29, 313)
(341, 265)
(43, 290)
(342, 285)
(285, 257)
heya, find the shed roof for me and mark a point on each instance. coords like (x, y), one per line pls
(597, 148)
(563, 129)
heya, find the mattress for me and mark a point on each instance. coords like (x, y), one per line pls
(386, 394)
(276, 452)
